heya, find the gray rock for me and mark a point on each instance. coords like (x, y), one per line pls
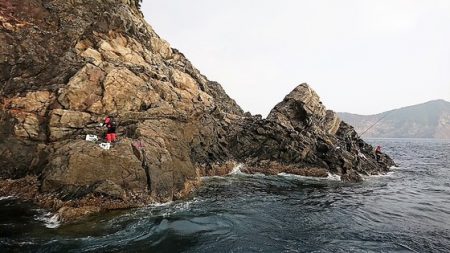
(65, 65)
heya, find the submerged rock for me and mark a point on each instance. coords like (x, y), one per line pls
(65, 65)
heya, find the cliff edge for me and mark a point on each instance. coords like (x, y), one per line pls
(65, 65)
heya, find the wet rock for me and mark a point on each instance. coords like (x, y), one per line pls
(300, 133)
(352, 177)
(76, 166)
(274, 168)
(308, 172)
(66, 213)
(216, 169)
(65, 65)
(109, 188)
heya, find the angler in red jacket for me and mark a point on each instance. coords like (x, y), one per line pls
(378, 153)
(111, 124)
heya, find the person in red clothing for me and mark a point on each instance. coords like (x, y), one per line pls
(378, 153)
(111, 125)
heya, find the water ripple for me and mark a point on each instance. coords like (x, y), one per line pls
(407, 210)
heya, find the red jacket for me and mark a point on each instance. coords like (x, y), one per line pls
(378, 150)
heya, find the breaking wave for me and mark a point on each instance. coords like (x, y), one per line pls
(405, 210)
(50, 220)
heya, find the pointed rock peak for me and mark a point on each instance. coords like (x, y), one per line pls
(305, 96)
(302, 98)
(302, 109)
(300, 92)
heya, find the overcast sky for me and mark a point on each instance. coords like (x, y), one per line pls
(361, 56)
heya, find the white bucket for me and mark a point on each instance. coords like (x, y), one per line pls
(105, 145)
(91, 137)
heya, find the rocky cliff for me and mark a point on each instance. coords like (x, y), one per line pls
(65, 65)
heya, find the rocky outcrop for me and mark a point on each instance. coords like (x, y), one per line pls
(301, 136)
(65, 65)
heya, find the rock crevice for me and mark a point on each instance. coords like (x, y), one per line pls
(65, 65)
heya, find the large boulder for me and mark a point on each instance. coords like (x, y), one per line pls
(78, 167)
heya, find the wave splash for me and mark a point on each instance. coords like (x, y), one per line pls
(50, 220)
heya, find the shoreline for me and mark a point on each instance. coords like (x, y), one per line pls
(72, 210)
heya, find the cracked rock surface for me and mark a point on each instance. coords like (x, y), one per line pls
(65, 65)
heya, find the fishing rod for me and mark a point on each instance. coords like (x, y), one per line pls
(376, 123)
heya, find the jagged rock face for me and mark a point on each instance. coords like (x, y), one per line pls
(65, 65)
(80, 165)
(301, 136)
(302, 110)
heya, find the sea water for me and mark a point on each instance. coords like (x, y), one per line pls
(406, 210)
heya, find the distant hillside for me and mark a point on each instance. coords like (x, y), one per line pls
(427, 120)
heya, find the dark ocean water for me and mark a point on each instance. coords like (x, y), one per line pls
(407, 210)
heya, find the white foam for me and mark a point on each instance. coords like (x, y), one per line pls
(389, 174)
(334, 177)
(159, 204)
(330, 176)
(289, 175)
(50, 220)
(25, 243)
(175, 207)
(237, 170)
(6, 197)
(210, 177)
